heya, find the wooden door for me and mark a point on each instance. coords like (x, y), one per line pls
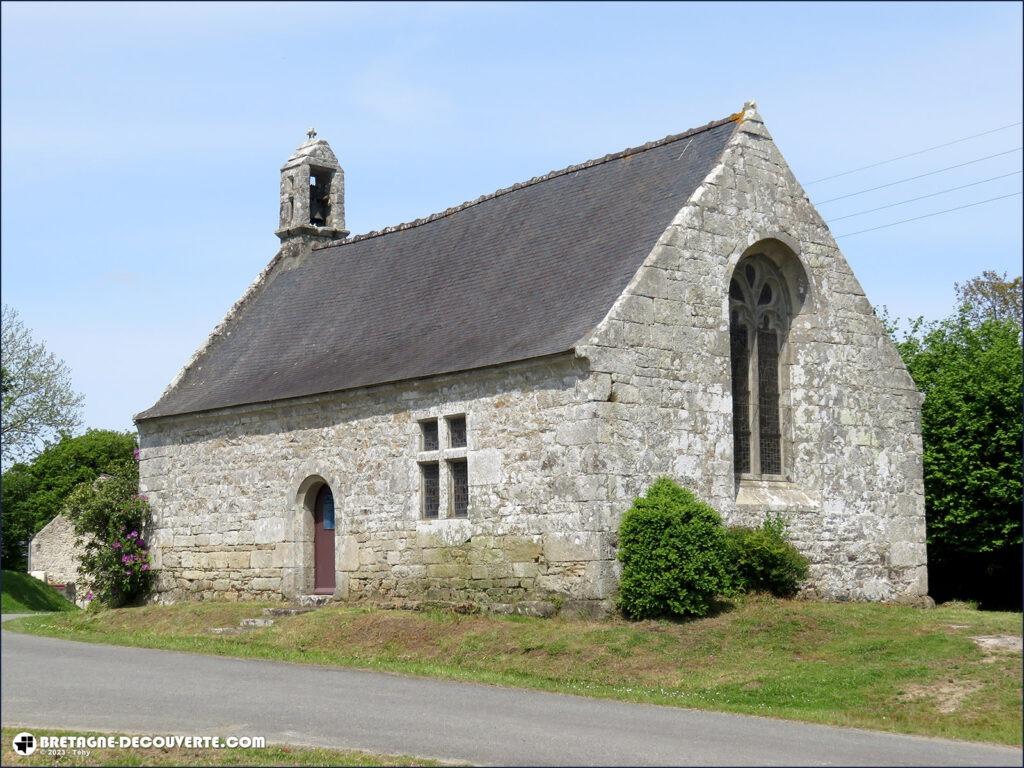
(323, 543)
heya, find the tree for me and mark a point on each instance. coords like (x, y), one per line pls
(969, 369)
(38, 403)
(32, 494)
(991, 296)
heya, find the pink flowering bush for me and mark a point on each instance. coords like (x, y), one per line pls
(110, 518)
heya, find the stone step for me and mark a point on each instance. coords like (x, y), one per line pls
(225, 630)
(287, 611)
(314, 601)
(256, 623)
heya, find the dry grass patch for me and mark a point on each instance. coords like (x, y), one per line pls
(947, 695)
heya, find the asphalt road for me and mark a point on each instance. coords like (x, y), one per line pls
(58, 683)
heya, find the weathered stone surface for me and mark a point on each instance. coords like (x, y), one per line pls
(558, 447)
(290, 611)
(536, 608)
(53, 555)
(572, 546)
(313, 601)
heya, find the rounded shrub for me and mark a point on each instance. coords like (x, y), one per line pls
(763, 561)
(674, 555)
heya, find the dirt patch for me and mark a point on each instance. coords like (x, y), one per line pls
(999, 643)
(947, 695)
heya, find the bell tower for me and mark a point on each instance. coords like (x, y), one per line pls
(312, 195)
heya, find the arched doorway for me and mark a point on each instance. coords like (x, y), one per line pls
(323, 542)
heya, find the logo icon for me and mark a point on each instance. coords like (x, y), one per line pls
(24, 744)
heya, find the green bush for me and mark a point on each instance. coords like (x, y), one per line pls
(33, 494)
(110, 519)
(763, 561)
(673, 552)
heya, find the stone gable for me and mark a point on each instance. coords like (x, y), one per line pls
(854, 495)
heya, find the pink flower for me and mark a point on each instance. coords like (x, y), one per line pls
(135, 454)
(116, 545)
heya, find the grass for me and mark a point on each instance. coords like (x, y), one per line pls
(21, 593)
(272, 754)
(868, 665)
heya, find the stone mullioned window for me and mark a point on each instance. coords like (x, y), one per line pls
(758, 324)
(443, 452)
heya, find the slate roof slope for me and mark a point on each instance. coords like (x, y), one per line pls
(525, 272)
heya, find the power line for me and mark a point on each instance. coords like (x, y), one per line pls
(929, 215)
(922, 197)
(911, 154)
(919, 176)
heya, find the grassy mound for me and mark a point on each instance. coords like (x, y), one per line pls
(22, 593)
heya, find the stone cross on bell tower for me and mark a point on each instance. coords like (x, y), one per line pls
(312, 195)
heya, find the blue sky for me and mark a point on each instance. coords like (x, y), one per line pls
(141, 143)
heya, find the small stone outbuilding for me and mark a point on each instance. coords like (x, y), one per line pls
(54, 557)
(462, 407)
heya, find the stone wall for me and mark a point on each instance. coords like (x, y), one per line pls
(853, 494)
(54, 553)
(231, 492)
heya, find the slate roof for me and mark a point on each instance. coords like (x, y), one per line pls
(524, 272)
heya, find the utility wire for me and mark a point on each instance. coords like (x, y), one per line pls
(919, 176)
(929, 215)
(922, 197)
(911, 154)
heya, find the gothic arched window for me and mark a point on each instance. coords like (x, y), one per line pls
(758, 324)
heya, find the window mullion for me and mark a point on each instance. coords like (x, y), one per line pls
(739, 353)
(754, 387)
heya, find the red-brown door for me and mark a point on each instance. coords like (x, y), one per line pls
(323, 542)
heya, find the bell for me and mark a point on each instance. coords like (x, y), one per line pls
(317, 210)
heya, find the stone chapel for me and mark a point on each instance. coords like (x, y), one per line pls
(461, 408)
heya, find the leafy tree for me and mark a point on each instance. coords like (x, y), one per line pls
(38, 403)
(969, 368)
(991, 296)
(32, 494)
(971, 424)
